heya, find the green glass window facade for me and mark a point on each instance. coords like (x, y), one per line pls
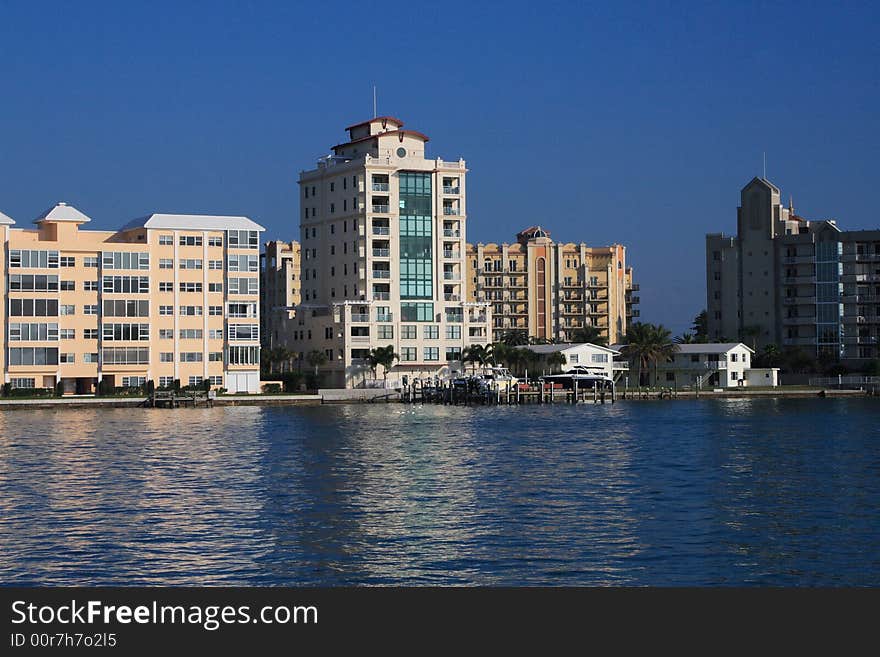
(417, 312)
(829, 310)
(416, 236)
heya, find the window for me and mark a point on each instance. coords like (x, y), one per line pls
(432, 353)
(166, 334)
(38, 332)
(67, 334)
(33, 283)
(243, 286)
(90, 334)
(190, 287)
(34, 308)
(216, 380)
(573, 358)
(243, 355)
(190, 263)
(243, 332)
(125, 260)
(91, 309)
(243, 239)
(166, 310)
(453, 333)
(33, 259)
(215, 334)
(453, 353)
(190, 310)
(431, 332)
(166, 240)
(68, 286)
(90, 262)
(90, 358)
(408, 353)
(126, 308)
(242, 309)
(670, 376)
(191, 357)
(127, 332)
(215, 264)
(190, 240)
(385, 332)
(166, 357)
(599, 358)
(127, 284)
(215, 357)
(195, 380)
(126, 356)
(33, 355)
(417, 312)
(215, 287)
(166, 381)
(67, 358)
(166, 263)
(733, 358)
(215, 241)
(68, 261)
(166, 286)
(22, 382)
(133, 381)
(90, 286)
(190, 334)
(215, 310)
(243, 263)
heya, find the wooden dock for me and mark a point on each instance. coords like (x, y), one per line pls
(453, 393)
(176, 399)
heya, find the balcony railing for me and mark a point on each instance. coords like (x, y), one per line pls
(360, 318)
(380, 187)
(384, 317)
(381, 273)
(793, 301)
(452, 254)
(360, 338)
(451, 276)
(478, 319)
(381, 230)
(635, 287)
(450, 212)
(450, 190)
(381, 253)
(451, 297)
(447, 232)
(381, 209)
(381, 296)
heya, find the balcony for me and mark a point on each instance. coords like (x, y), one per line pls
(450, 190)
(381, 230)
(451, 297)
(450, 212)
(799, 321)
(447, 232)
(798, 259)
(795, 301)
(451, 276)
(381, 296)
(381, 209)
(799, 280)
(360, 318)
(359, 338)
(384, 317)
(632, 300)
(381, 253)
(381, 273)
(380, 187)
(635, 287)
(477, 319)
(452, 254)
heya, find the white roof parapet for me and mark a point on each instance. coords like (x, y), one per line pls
(710, 347)
(5, 220)
(62, 212)
(565, 346)
(193, 222)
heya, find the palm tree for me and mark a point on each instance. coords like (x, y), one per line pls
(647, 344)
(685, 338)
(476, 353)
(752, 332)
(557, 358)
(700, 328)
(501, 353)
(316, 359)
(590, 334)
(515, 337)
(533, 339)
(383, 356)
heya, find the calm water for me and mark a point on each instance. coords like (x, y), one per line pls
(778, 492)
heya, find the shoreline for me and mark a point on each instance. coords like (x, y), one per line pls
(322, 399)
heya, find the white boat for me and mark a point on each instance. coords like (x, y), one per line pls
(585, 376)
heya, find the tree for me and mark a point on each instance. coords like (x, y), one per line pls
(685, 338)
(700, 329)
(476, 354)
(533, 339)
(556, 359)
(591, 335)
(770, 356)
(501, 353)
(753, 332)
(317, 359)
(383, 356)
(647, 344)
(515, 337)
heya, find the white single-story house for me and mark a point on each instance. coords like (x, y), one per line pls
(597, 358)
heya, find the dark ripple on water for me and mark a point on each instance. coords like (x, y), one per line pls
(778, 492)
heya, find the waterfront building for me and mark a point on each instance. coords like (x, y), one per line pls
(168, 297)
(279, 292)
(552, 290)
(715, 365)
(793, 282)
(603, 360)
(382, 230)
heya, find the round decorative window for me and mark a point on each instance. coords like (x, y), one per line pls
(401, 152)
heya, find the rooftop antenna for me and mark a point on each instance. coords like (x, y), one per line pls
(765, 165)
(375, 113)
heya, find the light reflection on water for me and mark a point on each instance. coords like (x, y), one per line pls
(685, 492)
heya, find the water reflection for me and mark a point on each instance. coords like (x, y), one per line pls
(701, 492)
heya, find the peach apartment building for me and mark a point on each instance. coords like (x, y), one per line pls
(167, 297)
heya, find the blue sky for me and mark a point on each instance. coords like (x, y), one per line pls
(604, 122)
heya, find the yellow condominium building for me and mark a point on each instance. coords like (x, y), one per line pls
(167, 297)
(552, 290)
